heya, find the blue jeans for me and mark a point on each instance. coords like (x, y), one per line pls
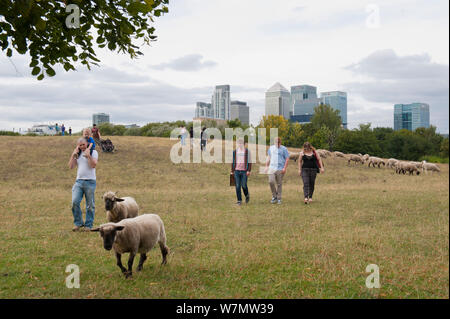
(241, 181)
(183, 138)
(84, 187)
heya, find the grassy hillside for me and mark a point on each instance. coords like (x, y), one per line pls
(360, 216)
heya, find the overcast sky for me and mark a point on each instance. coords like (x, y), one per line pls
(402, 57)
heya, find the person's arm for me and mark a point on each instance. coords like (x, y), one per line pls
(267, 161)
(249, 163)
(73, 158)
(99, 136)
(283, 171)
(300, 163)
(91, 160)
(321, 163)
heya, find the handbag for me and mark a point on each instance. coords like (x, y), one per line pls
(232, 180)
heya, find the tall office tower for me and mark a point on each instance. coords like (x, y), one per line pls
(221, 102)
(304, 100)
(278, 101)
(411, 116)
(240, 110)
(203, 110)
(99, 118)
(338, 101)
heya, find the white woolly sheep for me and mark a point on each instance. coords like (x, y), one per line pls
(293, 156)
(119, 208)
(373, 160)
(430, 167)
(355, 158)
(403, 167)
(134, 235)
(339, 154)
(366, 157)
(391, 163)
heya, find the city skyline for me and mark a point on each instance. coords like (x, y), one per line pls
(251, 48)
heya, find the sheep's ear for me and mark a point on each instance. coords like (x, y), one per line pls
(119, 228)
(95, 229)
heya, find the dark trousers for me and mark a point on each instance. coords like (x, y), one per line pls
(241, 181)
(309, 179)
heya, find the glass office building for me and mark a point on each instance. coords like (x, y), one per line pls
(204, 110)
(278, 101)
(221, 102)
(239, 110)
(411, 116)
(304, 99)
(99, 118)
(338, 101)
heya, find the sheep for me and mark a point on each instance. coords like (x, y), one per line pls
(134, 235)
(366, 157)
(339, 154)
(323, 153)
(119, 208)
(376, 161)
(391, 163)
(403, 167)
(417, 164)
(430, 167)
(355, 158)
(294, 156)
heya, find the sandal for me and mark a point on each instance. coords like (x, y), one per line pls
(306, 201)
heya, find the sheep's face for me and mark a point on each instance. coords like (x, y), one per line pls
(110, 200)
(108, 233)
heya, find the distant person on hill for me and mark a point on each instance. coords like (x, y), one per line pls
(91, 143)
(85, 184)
(63, 129)
(191, 134)
(276, 165)
(70, 131)
(241, 168)
(56, 128)
(183, 135)
(96, 133)
(309, 164)
(203, 139)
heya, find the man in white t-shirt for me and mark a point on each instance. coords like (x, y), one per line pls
(86, 161)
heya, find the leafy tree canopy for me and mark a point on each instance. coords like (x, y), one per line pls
(63, 32)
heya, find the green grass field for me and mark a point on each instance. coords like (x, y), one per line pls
(360, 216)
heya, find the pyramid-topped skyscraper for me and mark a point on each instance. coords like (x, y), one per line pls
(278, 101)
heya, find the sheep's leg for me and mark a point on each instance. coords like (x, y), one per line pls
(129, 273)
(164, 252)
(141, 262)
(119, 263)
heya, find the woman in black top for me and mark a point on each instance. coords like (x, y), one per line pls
(309, 164)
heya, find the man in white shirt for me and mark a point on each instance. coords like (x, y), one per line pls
(85, 184)
(276, 164)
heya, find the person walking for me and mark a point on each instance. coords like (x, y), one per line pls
(309, 164)
(203, 139)
(85, 184)
(183, 135)
(63, 129)
(96, 134)
(56, 128)
(241, 168)
(70, 131)
(191, 134)
(276, 165)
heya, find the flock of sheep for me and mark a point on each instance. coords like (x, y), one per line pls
(401, 167)
(126, 232)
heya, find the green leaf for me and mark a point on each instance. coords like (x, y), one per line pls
(9, 52)
(36, 71)
(40, 77)
(50, 71)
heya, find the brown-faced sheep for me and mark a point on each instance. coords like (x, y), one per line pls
(119, 208)
(134, 235)
(355, 158)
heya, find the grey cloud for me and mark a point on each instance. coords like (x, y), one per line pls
(190, 62)
(403, 79)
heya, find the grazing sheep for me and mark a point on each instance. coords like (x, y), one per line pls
(339, 154)
(417, 164)
(119, 208)
(391, 163)
(403, 167)
(376, 161)
(430, 167)
(134, 235)
(355, 158)
(294, 156)
(366, 157)
(323, 153)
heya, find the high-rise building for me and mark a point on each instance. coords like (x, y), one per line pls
(204, 110)
(278, 101)
(221, 102)
(304, 99)
(240, 110)
(338, 101)
(99, 118)
(411, 116)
